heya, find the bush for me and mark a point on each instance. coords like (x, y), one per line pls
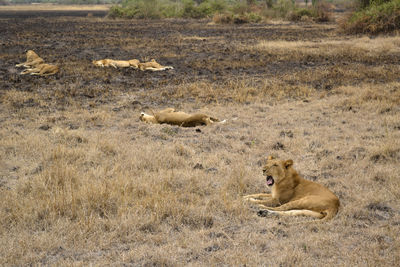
(149, 9)
(319, 13)
(379, 17)
(167, 9)
(298, 14)
(223, 18)
(222, 11)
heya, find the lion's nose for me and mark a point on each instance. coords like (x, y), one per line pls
(264, 171)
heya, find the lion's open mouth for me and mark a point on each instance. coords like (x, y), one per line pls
(270, 180)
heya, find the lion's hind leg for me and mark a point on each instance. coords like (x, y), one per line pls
(26, 71)
(307, 206)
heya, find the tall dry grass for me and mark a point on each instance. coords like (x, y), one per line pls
(364, 48)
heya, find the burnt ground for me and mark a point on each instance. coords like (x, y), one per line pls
(197, 49)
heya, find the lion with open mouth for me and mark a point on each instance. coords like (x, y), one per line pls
(293, 195)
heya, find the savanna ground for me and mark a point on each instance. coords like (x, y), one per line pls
(84, 182)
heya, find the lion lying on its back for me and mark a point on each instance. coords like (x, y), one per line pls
(292, 195)
(172, 117)
(153, 65)
(133, 63)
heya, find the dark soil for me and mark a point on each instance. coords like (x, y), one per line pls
(198, 50)
(72, 41)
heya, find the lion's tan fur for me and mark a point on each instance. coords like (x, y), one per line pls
(172, 117)
(32, 60)
(42, 70)
(133, 63)
(293, 195)
(153, 65)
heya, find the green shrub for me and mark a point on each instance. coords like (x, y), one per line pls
(298, 14)
(320, 12)
(374, 19)
(116, 12)
(152, 9)
(206, 8)
(222, 11)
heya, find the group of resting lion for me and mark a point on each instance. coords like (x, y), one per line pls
(35, 65)
(291, 195)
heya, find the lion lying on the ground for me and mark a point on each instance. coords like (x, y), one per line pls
(32, 60)
(292, 195)
(153, 65)
(42, 70)
(170, 116)
(133, 63)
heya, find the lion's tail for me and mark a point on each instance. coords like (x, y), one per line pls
(330, 213)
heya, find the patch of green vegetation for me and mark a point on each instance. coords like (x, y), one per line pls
(222, 11)
(154, 9)
(379, 16)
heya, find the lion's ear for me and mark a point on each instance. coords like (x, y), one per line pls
(288, 163)
(270, 157)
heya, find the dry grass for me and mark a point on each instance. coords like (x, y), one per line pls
(363, 48)
(84, 182)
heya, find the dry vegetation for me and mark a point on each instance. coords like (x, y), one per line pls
(84, 182)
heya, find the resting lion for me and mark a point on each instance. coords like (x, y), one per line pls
(292, 195)
(32, 60)
(42, 70)
(172, 117)
(133, 63)
(153, 65)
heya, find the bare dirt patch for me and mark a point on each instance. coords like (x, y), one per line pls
(83, 181)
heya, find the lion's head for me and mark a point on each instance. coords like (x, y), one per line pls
(31, 55)
(275, 170)
(147, 118)
(98, 63)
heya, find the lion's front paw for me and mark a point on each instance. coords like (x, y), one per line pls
(248, 198)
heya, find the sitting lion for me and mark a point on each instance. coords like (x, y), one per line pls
(172, 117)
(292, 195)
(42, 70)
(133, 63)
(153, 65)
(32, 60)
